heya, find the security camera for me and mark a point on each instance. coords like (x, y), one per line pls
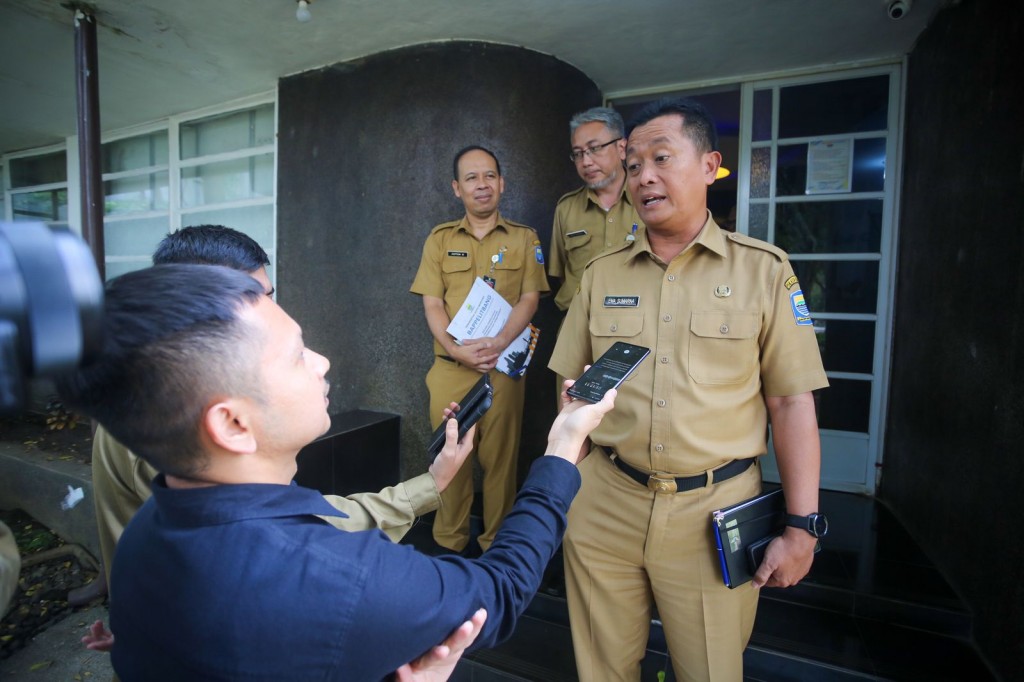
(898, 9)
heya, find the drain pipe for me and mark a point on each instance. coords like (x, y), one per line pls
(87, 86)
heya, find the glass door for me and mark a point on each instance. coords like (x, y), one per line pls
(817, 178)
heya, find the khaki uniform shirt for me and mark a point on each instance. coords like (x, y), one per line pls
(453, 258)
(122, 482)
(583, 229)
(727, 325)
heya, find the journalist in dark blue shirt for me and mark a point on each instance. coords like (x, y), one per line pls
(229, 572)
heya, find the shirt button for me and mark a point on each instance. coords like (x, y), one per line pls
(671, 278)
(724, 329)
(664, 359)
(661, 403)
(667, 318)
(659, 447)
(613, 328)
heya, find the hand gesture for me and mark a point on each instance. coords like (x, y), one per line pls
(453, 455)
(438, 664)
(99, 638)
(568, 436)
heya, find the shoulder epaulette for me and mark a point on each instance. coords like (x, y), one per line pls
(747, 240)
(515, 224)
(581, 188)
(610, 251)
(445, 226)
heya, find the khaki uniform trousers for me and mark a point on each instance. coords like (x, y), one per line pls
(627, 547)
(496, 448)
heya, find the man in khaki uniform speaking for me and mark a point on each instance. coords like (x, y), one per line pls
(122, 481)
(598, 215)
(731, 344)
(508, 257)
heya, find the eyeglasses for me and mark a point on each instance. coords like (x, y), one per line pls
(577, 155)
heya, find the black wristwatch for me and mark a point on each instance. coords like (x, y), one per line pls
(816, 524)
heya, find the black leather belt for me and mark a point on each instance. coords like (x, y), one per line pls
(448, 358)
(667, 484)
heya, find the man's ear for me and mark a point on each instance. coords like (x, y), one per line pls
(711, 161)
(455, 189)
(229, 425)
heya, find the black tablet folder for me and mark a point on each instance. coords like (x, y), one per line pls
(742, 532)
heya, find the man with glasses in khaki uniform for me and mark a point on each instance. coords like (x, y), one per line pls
(731, 344)
(508, 257)
(599, 214)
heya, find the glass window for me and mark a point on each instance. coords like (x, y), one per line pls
(836, 107)
(134, 236)
(136, 194)
(234, 180)
(760, 172)
(227, 132)
(255, 221)
(868, 167)
(44, 169)
(762, 115)
(853, 226)
(758, 222)
(846, 345)
(47, 205)
(2, 205)
(844, 405)
(838, 286)
(130, 153)
(118, 268)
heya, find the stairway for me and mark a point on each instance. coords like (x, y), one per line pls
(873, 607)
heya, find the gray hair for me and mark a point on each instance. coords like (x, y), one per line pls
(606, 115)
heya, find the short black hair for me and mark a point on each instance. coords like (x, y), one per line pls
(465, 150)
(173, 341)
(212, 245)
(698, 123)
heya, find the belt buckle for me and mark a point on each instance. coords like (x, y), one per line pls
(661, 484)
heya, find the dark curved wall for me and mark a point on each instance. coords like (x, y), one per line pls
(954, 452)
(364, 172)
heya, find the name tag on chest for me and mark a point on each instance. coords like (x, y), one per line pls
(621, 301)
(577, 233)
(459, 254)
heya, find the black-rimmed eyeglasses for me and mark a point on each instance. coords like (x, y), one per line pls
(576, 155)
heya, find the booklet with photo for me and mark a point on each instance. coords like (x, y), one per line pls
(484, 313)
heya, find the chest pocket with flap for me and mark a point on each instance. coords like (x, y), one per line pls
(723, 346)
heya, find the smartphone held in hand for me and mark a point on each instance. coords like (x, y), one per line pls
(608, 371)
(472, 406)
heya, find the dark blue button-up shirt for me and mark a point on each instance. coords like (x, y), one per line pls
(243, 582)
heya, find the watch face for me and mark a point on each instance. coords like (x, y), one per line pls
(818, 525)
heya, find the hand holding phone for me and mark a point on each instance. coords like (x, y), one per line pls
(608, 371)
(472, 406)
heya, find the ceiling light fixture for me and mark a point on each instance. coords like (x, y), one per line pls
(302, 14)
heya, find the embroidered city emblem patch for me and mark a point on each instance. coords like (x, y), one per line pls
(621, 301)
(539, 253)
(801, 313)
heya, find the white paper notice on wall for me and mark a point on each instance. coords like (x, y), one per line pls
(829, 166)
